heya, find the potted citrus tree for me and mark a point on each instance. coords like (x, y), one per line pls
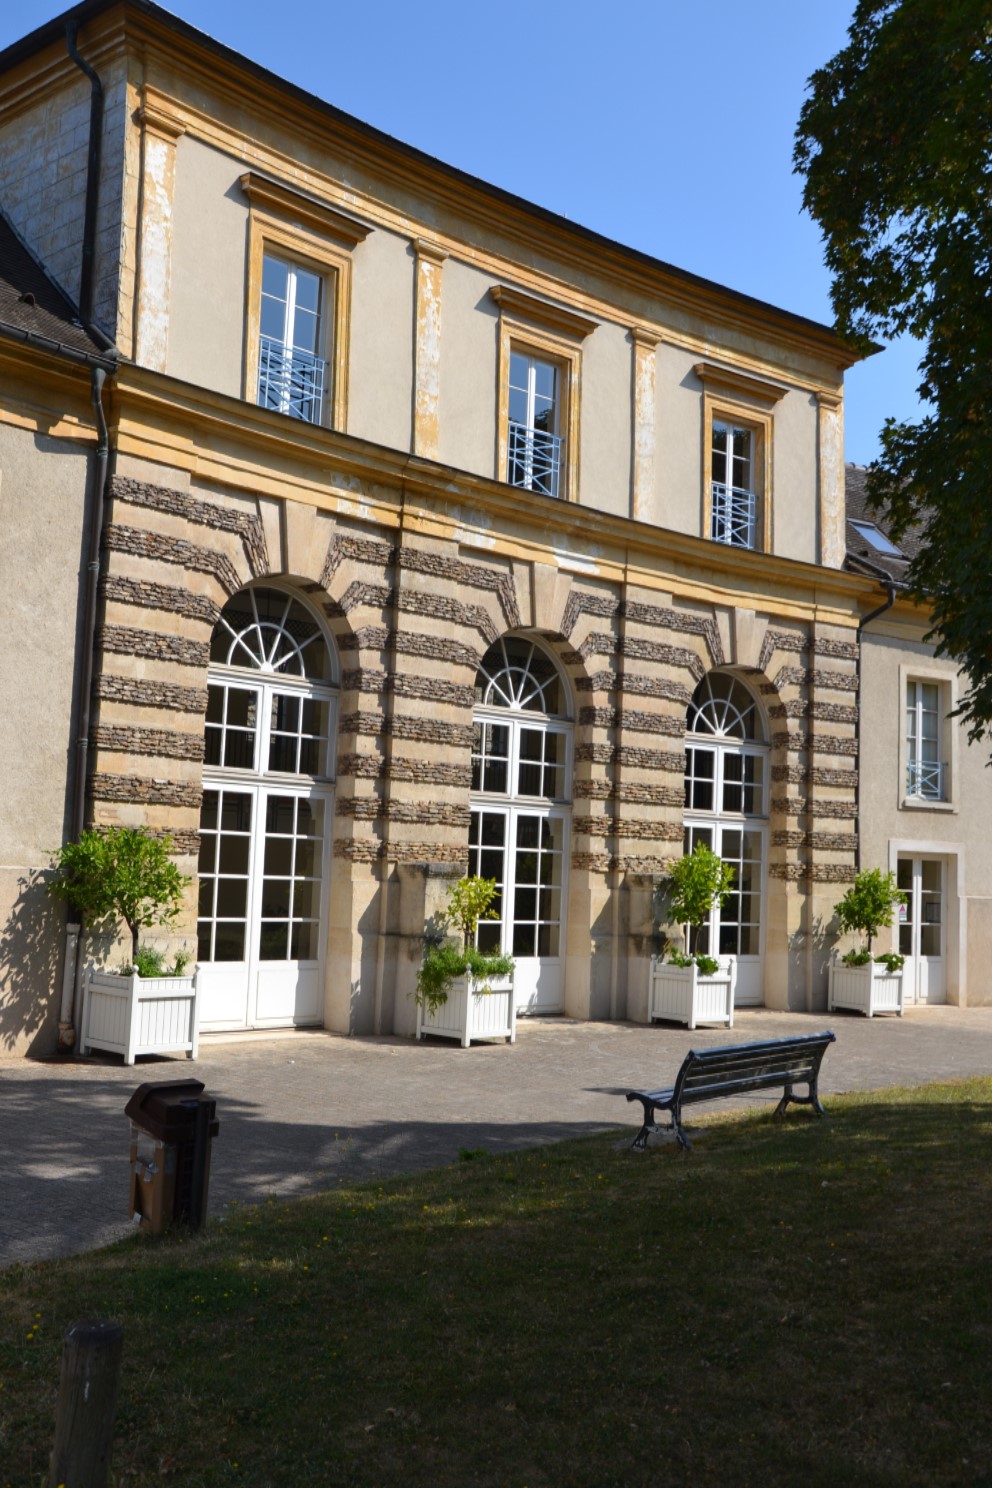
(124, 874)
(462, 992)
(690, 986)
(859, 980)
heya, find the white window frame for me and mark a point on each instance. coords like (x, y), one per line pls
(270, 347)
(539, 453)
(733, 509)
(911, 677)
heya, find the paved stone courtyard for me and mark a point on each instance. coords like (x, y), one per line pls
(302, 1112)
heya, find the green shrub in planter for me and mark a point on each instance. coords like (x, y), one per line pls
(696, 883)
(123, 873)
(150, 962)
(469, 901)
(892, 961)
(856, 958)
(867, 906)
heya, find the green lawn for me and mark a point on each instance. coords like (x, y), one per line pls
(799, 1302)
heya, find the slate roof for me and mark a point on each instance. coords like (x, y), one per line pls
(32, 308)
(861, 556)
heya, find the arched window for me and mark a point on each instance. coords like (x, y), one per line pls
(521, 784)
(726, 780)
(265, 820)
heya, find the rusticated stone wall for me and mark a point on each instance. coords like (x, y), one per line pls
(411, 621)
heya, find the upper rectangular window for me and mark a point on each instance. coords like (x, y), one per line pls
(537, 425)
(300, 252)
(738, 429)
(292, 367)
(925, 768)
(535, 446)
(733, 499)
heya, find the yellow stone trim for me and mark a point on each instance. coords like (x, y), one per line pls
(716, 408)
(284, 202)
(431, 252)
(221, 441)
(519, 335)
(647, 281)
(724, 379)
(557, 318)
(158, 121)
(427, 348)
(333, 264)
(643, 486)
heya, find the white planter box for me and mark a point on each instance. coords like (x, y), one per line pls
(681, 995)
(470, 1014)
(134, 1015)
(867, 989)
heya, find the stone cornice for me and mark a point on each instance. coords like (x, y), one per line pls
(542, 312)
(285, 201)
(229, 443)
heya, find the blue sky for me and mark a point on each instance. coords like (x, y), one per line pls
(668, 127)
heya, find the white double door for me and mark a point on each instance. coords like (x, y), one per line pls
(922, 934)
(263, 872)
(524, 851)
(737, 927)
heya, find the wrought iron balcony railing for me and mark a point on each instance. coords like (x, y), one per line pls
(290, 380)
(534, 459)
(925, 780)
(733, 516)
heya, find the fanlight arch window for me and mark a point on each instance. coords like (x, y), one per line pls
(722, 706)
(521, 785)
(280, 719)
(726, 782)
(269, 741)
(268, 630)
(515, 673)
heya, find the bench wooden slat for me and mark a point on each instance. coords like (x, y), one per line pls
(735, 1069)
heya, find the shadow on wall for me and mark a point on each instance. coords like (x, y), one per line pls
(30, 962)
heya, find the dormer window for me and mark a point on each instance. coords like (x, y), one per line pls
(876, 538)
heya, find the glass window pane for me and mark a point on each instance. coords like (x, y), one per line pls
(275, 276)
(234, 854)
(306, 898)
(229, 941)
(488, 938)
(280, 813)
(304, 941)
(232, 898)
(275, 898)
(547, 940)
(273, 940)
(208, 853)
(524, 940)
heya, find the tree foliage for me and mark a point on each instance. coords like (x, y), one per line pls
(124, 874)
(895, 142)
(469, 901)
(696, 883)
(869, 902)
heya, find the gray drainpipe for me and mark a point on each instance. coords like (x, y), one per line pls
(890, 585)
(88, 266)
(73, 970)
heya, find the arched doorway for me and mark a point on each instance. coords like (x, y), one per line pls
(521, 788)
(265, 823)
(726, 807)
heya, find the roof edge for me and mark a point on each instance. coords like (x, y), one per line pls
(53, 30)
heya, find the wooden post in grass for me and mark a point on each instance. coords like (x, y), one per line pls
(84, 1415)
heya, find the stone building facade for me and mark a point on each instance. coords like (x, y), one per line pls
(430, 523)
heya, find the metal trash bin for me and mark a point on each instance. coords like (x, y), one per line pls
(169, 1182)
